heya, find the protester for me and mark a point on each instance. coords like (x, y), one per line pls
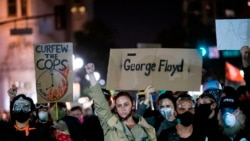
(68, 129)
(91, 128)
(232, 120)
(207, 111)
(124, 125)
(21, 129)
(77, 112)
(57, 111)
(184, 129)
(164, 117)
(44, 120)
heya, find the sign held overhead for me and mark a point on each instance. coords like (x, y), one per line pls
(173, 69)
(54, 72)
(232, 34)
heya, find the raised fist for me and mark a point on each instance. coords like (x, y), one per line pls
(148, 91)
(12, 92)
(90, 68)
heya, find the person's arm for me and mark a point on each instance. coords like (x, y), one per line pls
(142, 107)
(100, 103)
(12, 92)
(247, 77)
(245, 54)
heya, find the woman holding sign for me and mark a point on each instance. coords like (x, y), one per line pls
(124, 125)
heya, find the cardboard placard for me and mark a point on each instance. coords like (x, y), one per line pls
(232, 34)
(54, 72)
(172, 69)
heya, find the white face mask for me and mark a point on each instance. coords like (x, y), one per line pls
(43, 116)
(229, 119)
(166, 112)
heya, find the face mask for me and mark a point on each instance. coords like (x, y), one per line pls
(21, 116)
(186, 118)
(80, 118)
(125, 118)
(43, 116)
(229, 119)
(61, 114)
(61, 136)
(203, 111)
(166, 112)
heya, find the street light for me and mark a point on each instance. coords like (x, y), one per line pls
(102, 82)
(77, 63)
(96, 74)
(242, 73)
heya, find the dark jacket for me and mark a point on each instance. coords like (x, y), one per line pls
(11, 134)
(155, 119)
(244, 134)
(208, 129)
(92, 129)
(170, 134)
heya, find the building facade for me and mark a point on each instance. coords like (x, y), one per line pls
(24, 23)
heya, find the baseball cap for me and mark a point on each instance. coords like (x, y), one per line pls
(229, 102)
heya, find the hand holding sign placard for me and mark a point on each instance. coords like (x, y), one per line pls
(54, 78)
(232, 34)
(135, 69)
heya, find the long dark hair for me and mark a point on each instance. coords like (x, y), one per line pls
(123, 93)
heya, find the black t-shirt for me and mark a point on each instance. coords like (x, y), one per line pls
(170, 134)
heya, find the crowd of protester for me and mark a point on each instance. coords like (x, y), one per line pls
(218, 114)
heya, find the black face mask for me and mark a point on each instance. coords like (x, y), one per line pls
(186, 118)
(21, 116)
(203, 111)
(125, 118)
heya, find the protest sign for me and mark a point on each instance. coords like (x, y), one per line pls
(172, 69)
(54, 73)
(232, 34)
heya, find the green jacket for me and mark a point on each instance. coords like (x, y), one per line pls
(112, 127)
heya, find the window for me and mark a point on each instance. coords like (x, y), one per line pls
(24, 7)
(12, 8)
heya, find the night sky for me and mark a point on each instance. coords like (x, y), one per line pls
(142, 21)
(138, 21)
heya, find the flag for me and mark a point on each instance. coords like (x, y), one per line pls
(233, 73)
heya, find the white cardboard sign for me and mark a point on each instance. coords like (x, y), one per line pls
(232, 34)
(172, 69)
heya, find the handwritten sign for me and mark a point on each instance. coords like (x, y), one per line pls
(54, 75)
(232, 34)
(172, 69)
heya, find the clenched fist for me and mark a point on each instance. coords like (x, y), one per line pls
(12, 92)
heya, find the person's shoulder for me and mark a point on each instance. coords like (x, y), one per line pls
(169, 130)
(168, 134)
(91, 120)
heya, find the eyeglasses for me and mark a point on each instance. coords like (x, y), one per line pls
(26, 108)
(186, 98)
(42, 106)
